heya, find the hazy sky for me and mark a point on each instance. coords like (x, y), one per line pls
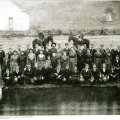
(65, 12)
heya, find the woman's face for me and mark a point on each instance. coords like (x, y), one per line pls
(31, 51)
(22, 53)
(41, 52)
(15, 53)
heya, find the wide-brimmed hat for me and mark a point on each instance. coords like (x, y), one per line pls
(53, 44)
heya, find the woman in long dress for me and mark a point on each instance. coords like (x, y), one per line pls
(31, 58)
(14, 61)
(41, 60)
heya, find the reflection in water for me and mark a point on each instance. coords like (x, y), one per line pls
(64, 100)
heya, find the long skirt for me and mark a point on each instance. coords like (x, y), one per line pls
(72, 63)
(41, 64)
(13, 66)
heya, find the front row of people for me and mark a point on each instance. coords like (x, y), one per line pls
(35, 76)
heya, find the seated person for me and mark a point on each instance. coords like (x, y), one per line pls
(113, 76)
(66, 74)
(17, 76)
(46, 71)
(95, 74)
(7, 77)
(28, 75)
(86, 74)
(38, 76)
(57, 75)
(75, 76)
(104, 74)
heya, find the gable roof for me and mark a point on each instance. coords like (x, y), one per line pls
(20, 6)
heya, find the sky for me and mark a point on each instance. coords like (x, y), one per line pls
(65, 12)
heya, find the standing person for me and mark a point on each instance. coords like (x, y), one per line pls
(41, 60)
(53, 49)
(54, 60)
(112, 52)
(64, 60)
(27, 50)
(88, 58)
(98, 58)
(102, 50)
(6, 64)
(10, 53)
(59, 52)
(31, 58)
(92, 51)
(18, 49)
(80, 60)
(108, 59)
(117, 51)
(86, 74)
(36, 50)
(22, 60)
(14, 61)
(117, 66)
(72, 58)
(67, 49)
(2, 56)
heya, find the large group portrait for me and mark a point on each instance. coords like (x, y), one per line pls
(59, 57)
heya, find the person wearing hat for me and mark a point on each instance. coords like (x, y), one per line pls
(53, 49)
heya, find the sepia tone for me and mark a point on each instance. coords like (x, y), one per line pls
(59, 57)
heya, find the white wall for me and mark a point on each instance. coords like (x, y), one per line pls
(20, 18)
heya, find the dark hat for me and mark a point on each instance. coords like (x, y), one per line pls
(53, 44)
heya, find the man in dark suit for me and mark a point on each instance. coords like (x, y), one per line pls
(2, 56)
(17, 76)
(117, 65)
(28, 75)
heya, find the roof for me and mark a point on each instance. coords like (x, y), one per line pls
(17, 3)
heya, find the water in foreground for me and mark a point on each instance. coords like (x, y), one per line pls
(61, 101)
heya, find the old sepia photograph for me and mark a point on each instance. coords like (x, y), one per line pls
(59, 57)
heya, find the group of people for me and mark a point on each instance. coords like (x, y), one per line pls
(73, 64)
